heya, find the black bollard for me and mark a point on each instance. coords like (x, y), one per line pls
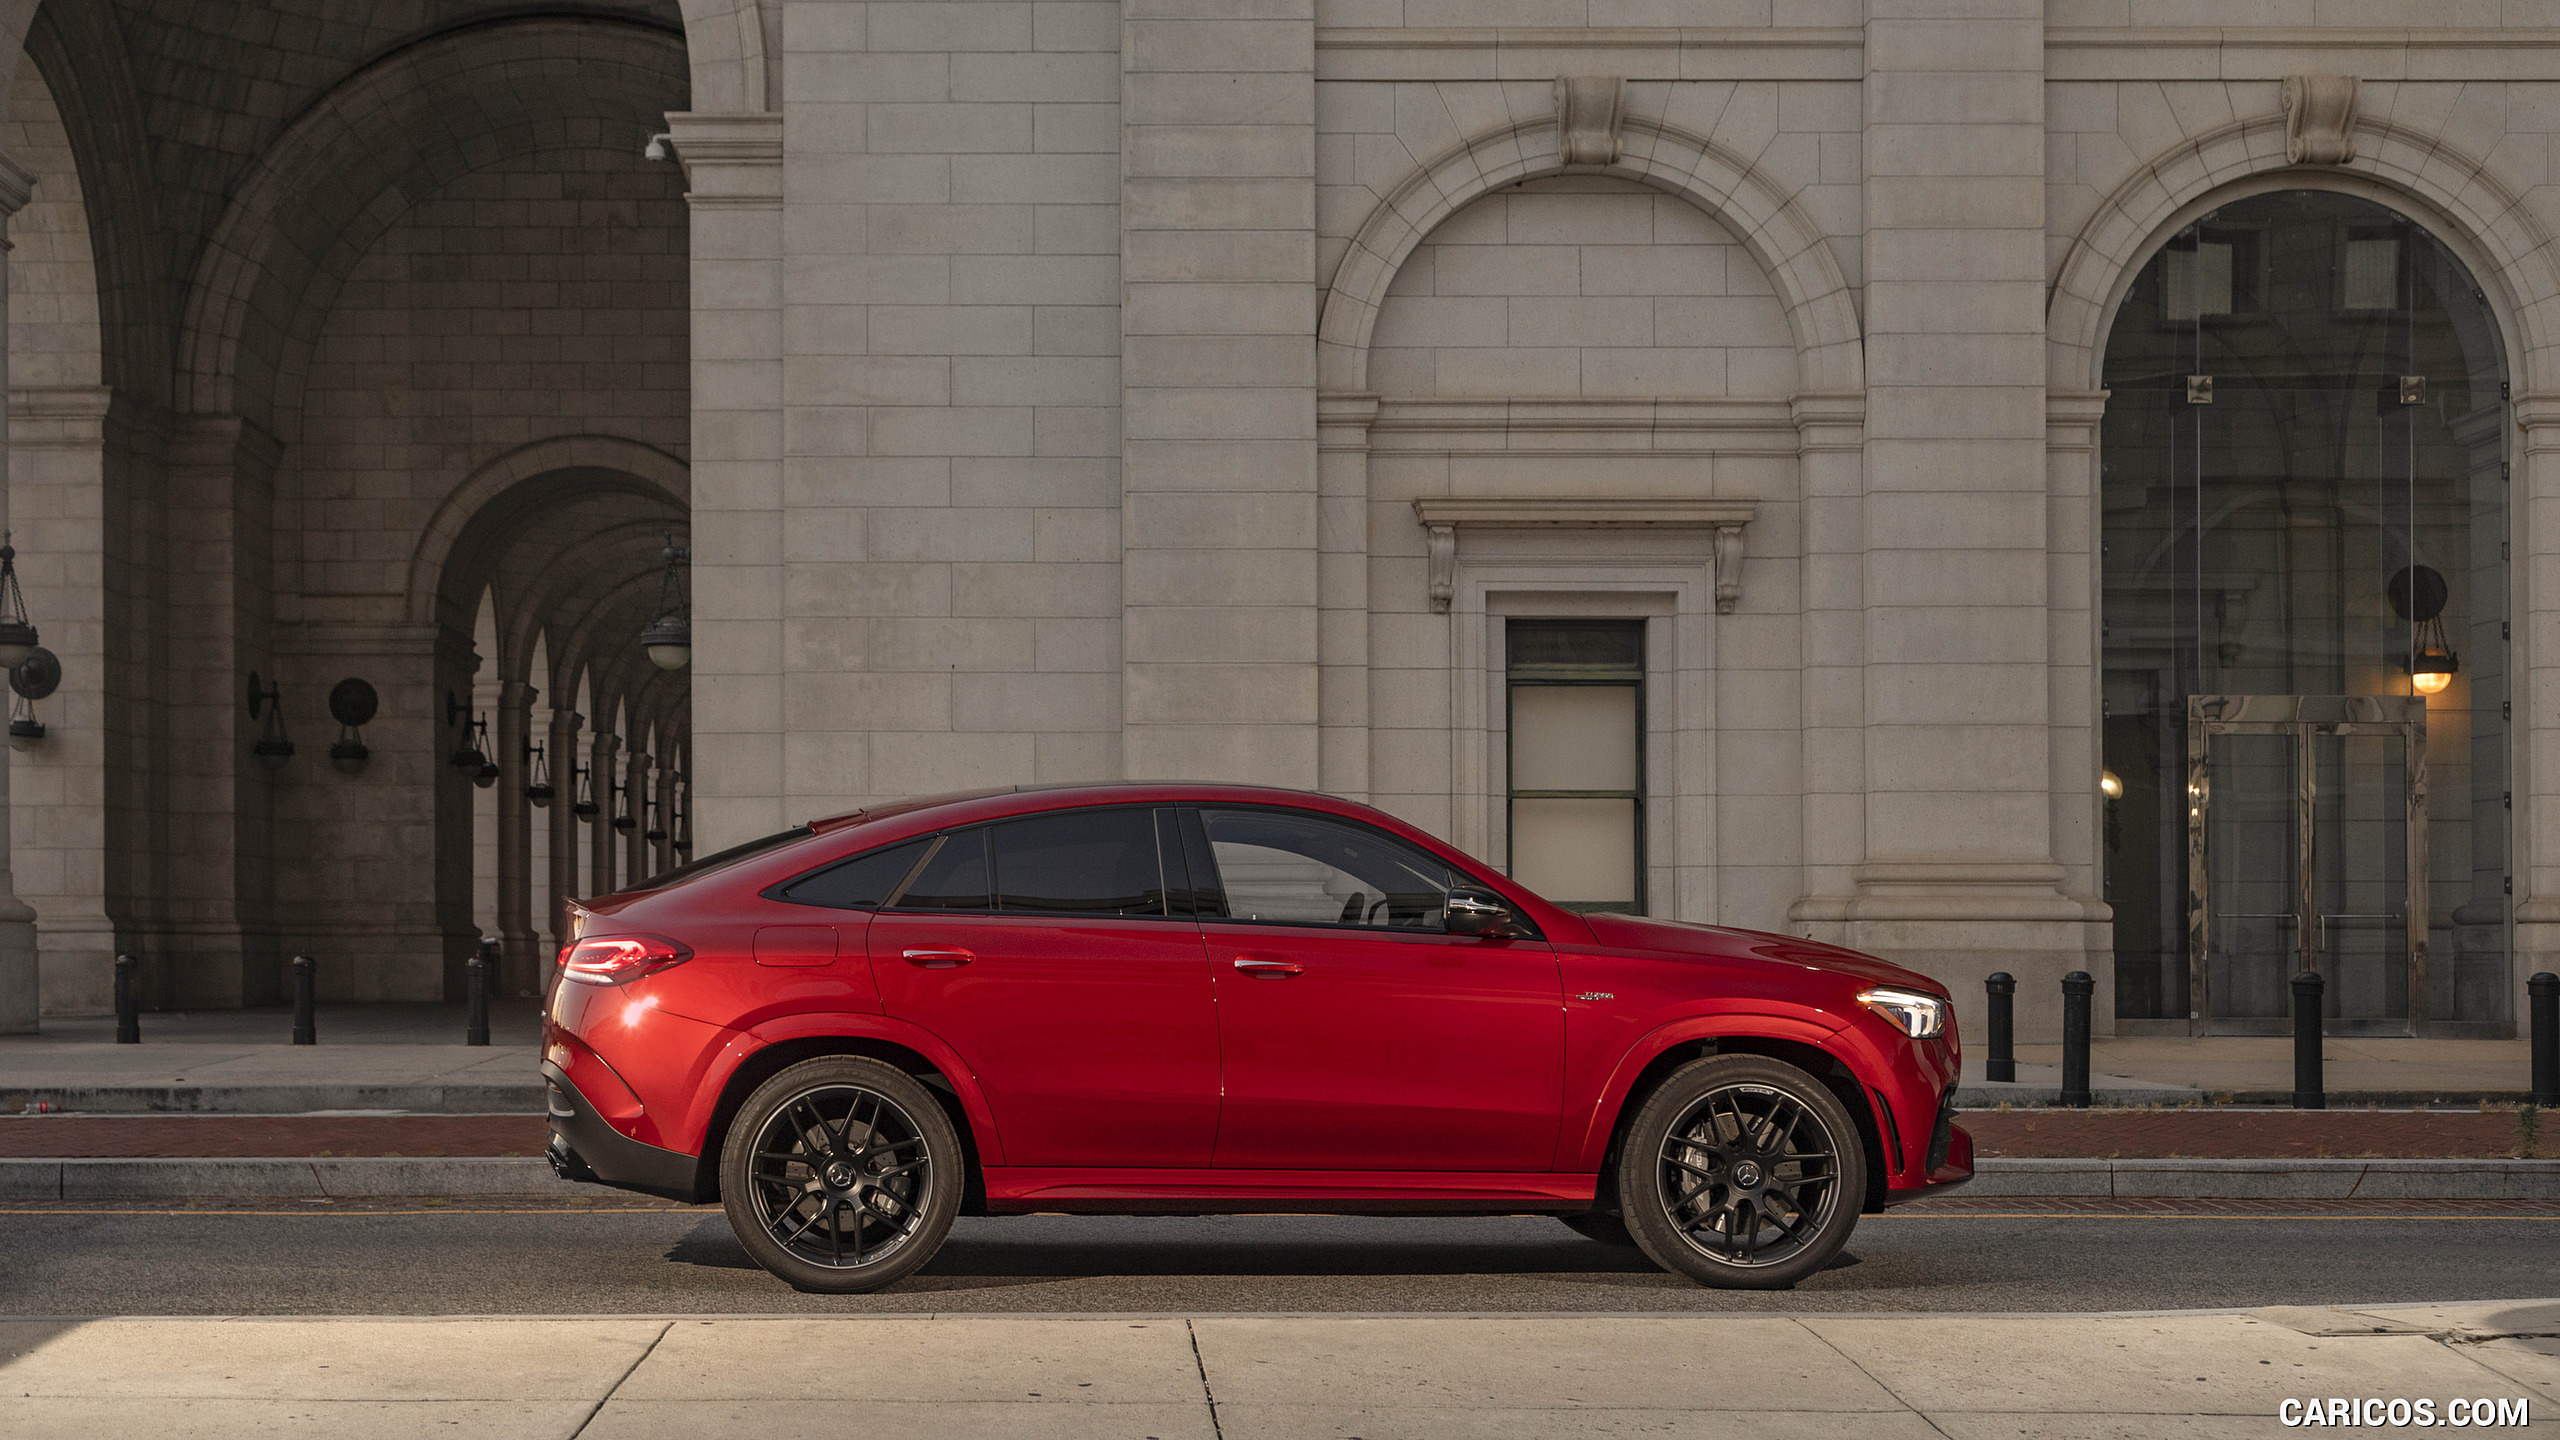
(2309, 1093)
(2543, 991)
(2001, 1027)
(480, 965)
(128, 1004)
(306, 1000)
(2077, 987)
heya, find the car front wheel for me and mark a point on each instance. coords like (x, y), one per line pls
(841, 1175)
(1743, 1173)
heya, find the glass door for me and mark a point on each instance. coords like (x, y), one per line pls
(2303, 856)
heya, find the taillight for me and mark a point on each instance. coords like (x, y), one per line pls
(619, 959)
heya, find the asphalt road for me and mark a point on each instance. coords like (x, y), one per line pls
(463, 1260)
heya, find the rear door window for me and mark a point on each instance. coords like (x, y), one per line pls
(1080, 862)
(864, 882)
(954, 877)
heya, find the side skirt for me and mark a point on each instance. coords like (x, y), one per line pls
(1020, 1189)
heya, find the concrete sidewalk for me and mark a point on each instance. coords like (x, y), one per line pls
(1268, 1378)
(370, 1057)
(2258, 1070)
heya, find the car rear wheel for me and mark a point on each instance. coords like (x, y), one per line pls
(841, 1175)
(1743, 1173)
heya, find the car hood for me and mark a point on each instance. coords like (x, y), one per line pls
(1679, 940)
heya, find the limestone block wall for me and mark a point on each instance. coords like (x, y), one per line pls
(946, 529)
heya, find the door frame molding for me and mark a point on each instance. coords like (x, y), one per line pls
(2304, 716)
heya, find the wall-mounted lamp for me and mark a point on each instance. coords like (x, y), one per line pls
(621, 809)
(656, 832)
(17, 630)
(31, 680)
(582, 801)
(2110, 784)
(669, 638)
(273, 748)
(352, 703)
(487, 773)
(2419, 593)
(537, 785)
(465, 756)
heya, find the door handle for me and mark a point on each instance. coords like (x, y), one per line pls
(1268, 969)
(939, 959)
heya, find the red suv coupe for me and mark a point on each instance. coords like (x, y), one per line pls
(1189, 998)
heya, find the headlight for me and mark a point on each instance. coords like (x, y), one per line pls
(1914, 1014)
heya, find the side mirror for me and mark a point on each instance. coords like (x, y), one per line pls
(1481, 913)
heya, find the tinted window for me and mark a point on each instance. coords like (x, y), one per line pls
(861, 883)
(955, 878)
(1309, 870)
(1082, 862)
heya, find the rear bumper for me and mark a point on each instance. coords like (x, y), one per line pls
(584, 1146)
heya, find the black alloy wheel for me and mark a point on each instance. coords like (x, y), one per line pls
(1742, 1172)
(841, 1175)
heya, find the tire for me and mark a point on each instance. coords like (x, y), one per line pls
(1600, 1225)
(1734, 1141)
(836, 1139)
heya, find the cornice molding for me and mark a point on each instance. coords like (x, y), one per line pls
(1444, 516)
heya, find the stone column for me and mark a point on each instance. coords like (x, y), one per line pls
(2535, 663)
(219, 513)
(733, 174)
(1961, 874)
(1342, 618)
(661, 851)
(600, 837)
(19, 1001)
(635, 797)
(67, 816)
(516, 945)
(564, 884)
(1831, 466)
(1220, 575)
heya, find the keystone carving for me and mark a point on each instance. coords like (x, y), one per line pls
(1590, 110)
(2319, 119)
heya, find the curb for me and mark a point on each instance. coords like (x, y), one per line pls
(519, 1099)
(25, 1180)
(2269, 1179)
(198, 1179)
(1992, 1097)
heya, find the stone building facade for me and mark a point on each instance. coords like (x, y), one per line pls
(1986, 481)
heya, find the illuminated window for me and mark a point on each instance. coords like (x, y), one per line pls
(1576, 784)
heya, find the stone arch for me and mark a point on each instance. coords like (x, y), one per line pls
(732, 45)
(659, 470)
(16, 16)
(83, 62)
(1789, 246)
(547, 612)
(2483, 220)
(389, 135)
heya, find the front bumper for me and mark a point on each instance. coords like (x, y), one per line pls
(585, 1146)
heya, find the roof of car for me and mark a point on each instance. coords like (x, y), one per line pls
(1095, 790)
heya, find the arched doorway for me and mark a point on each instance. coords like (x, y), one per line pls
(2304, 522)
